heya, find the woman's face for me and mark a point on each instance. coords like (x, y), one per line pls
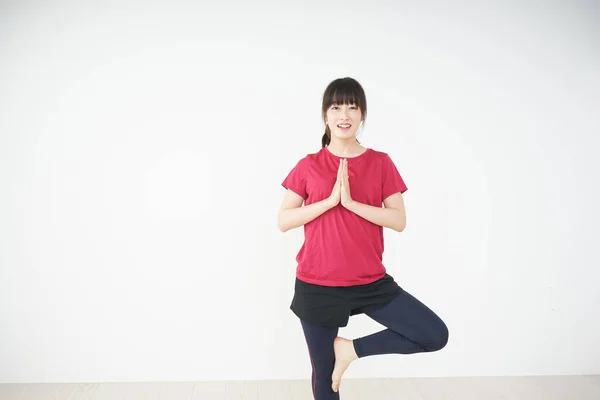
(343, 120)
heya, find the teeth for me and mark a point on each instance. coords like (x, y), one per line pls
(344, 126)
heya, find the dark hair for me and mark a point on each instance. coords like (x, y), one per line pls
(342, 91)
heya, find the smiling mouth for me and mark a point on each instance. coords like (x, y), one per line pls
(344, 126)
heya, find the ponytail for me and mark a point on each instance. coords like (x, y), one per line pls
(326, 139)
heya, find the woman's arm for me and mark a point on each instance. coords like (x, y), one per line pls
(292, 214)
(393, 216)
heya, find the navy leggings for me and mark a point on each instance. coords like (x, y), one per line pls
(412, 328)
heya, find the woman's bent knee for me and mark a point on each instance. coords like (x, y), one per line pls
(439, 339)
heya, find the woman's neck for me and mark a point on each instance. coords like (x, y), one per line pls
(346, 148)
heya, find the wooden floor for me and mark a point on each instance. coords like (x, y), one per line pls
(488, 388)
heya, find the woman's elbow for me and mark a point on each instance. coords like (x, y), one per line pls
(400, 226)
(281, 225)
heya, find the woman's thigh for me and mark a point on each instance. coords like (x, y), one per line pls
(409, 317)
(319, 340)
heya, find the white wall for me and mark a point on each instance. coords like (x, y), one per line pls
(142, 148)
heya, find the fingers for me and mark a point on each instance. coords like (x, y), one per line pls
(342, 174)
(344, 170)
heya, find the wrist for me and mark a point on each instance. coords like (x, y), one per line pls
(329, 203)
(351, 205)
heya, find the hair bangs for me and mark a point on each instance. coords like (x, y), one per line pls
(343, 91)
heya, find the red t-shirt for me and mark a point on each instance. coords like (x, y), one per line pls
(341, 248)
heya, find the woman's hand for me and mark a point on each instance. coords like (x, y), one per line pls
(345, 197)
(336, 194)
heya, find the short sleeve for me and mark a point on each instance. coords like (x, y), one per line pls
(296, 179)
(392, 180)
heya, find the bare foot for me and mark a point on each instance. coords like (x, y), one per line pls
(344, 355)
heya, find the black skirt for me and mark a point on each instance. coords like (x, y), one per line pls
(333, 305)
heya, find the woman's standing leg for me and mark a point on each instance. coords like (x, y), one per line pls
(320, 349)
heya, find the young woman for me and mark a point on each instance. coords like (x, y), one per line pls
(344, 195)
